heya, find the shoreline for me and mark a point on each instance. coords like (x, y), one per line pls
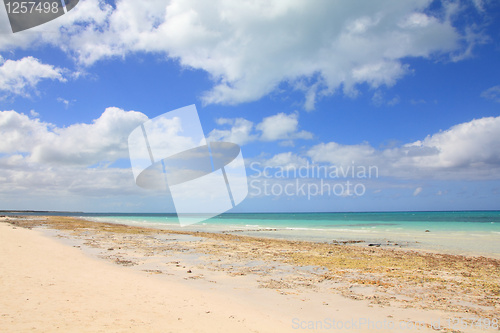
(472, 234)
(382, 282)
(470, 240)
(424, 242)
(259, 233)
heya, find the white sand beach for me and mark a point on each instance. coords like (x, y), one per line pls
(47, 285)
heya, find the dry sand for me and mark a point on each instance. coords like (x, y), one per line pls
(79, 276)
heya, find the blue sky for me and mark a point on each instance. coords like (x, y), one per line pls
(411, 87)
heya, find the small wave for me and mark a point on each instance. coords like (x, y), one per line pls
(299, 228)
(375, 224)
(136, 223)
(365, 231)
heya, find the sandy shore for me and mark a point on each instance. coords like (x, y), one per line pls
(70, 275)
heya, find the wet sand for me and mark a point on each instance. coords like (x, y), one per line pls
(67, 274)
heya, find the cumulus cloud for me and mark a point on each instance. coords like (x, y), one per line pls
(250, 48)
(19, 77)
(48, 161)
(286, 160)
(492, 93)
(280, 127)
(468, 145)
(343, 155)
(19, 133)
(465, 151)
(105, 139)
(20, 176)
(239, 133)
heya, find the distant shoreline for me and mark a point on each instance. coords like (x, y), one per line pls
(3, 211)
(40, 211)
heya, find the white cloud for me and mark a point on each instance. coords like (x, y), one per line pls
(492, 93)
(21, 176)
(239, 133)
(286, 160)
(20, 133)
(343, 155)
(472, 144)
(465, 151)
(19, 77)
(282, 127)
(48, 161)
(79, 144)
(279, 127)
(249, 48)
(64, 101)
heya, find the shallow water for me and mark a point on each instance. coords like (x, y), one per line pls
(476, 233)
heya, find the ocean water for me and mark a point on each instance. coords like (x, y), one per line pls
(469, 233)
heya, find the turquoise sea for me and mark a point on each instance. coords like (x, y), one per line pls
(461, 232)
